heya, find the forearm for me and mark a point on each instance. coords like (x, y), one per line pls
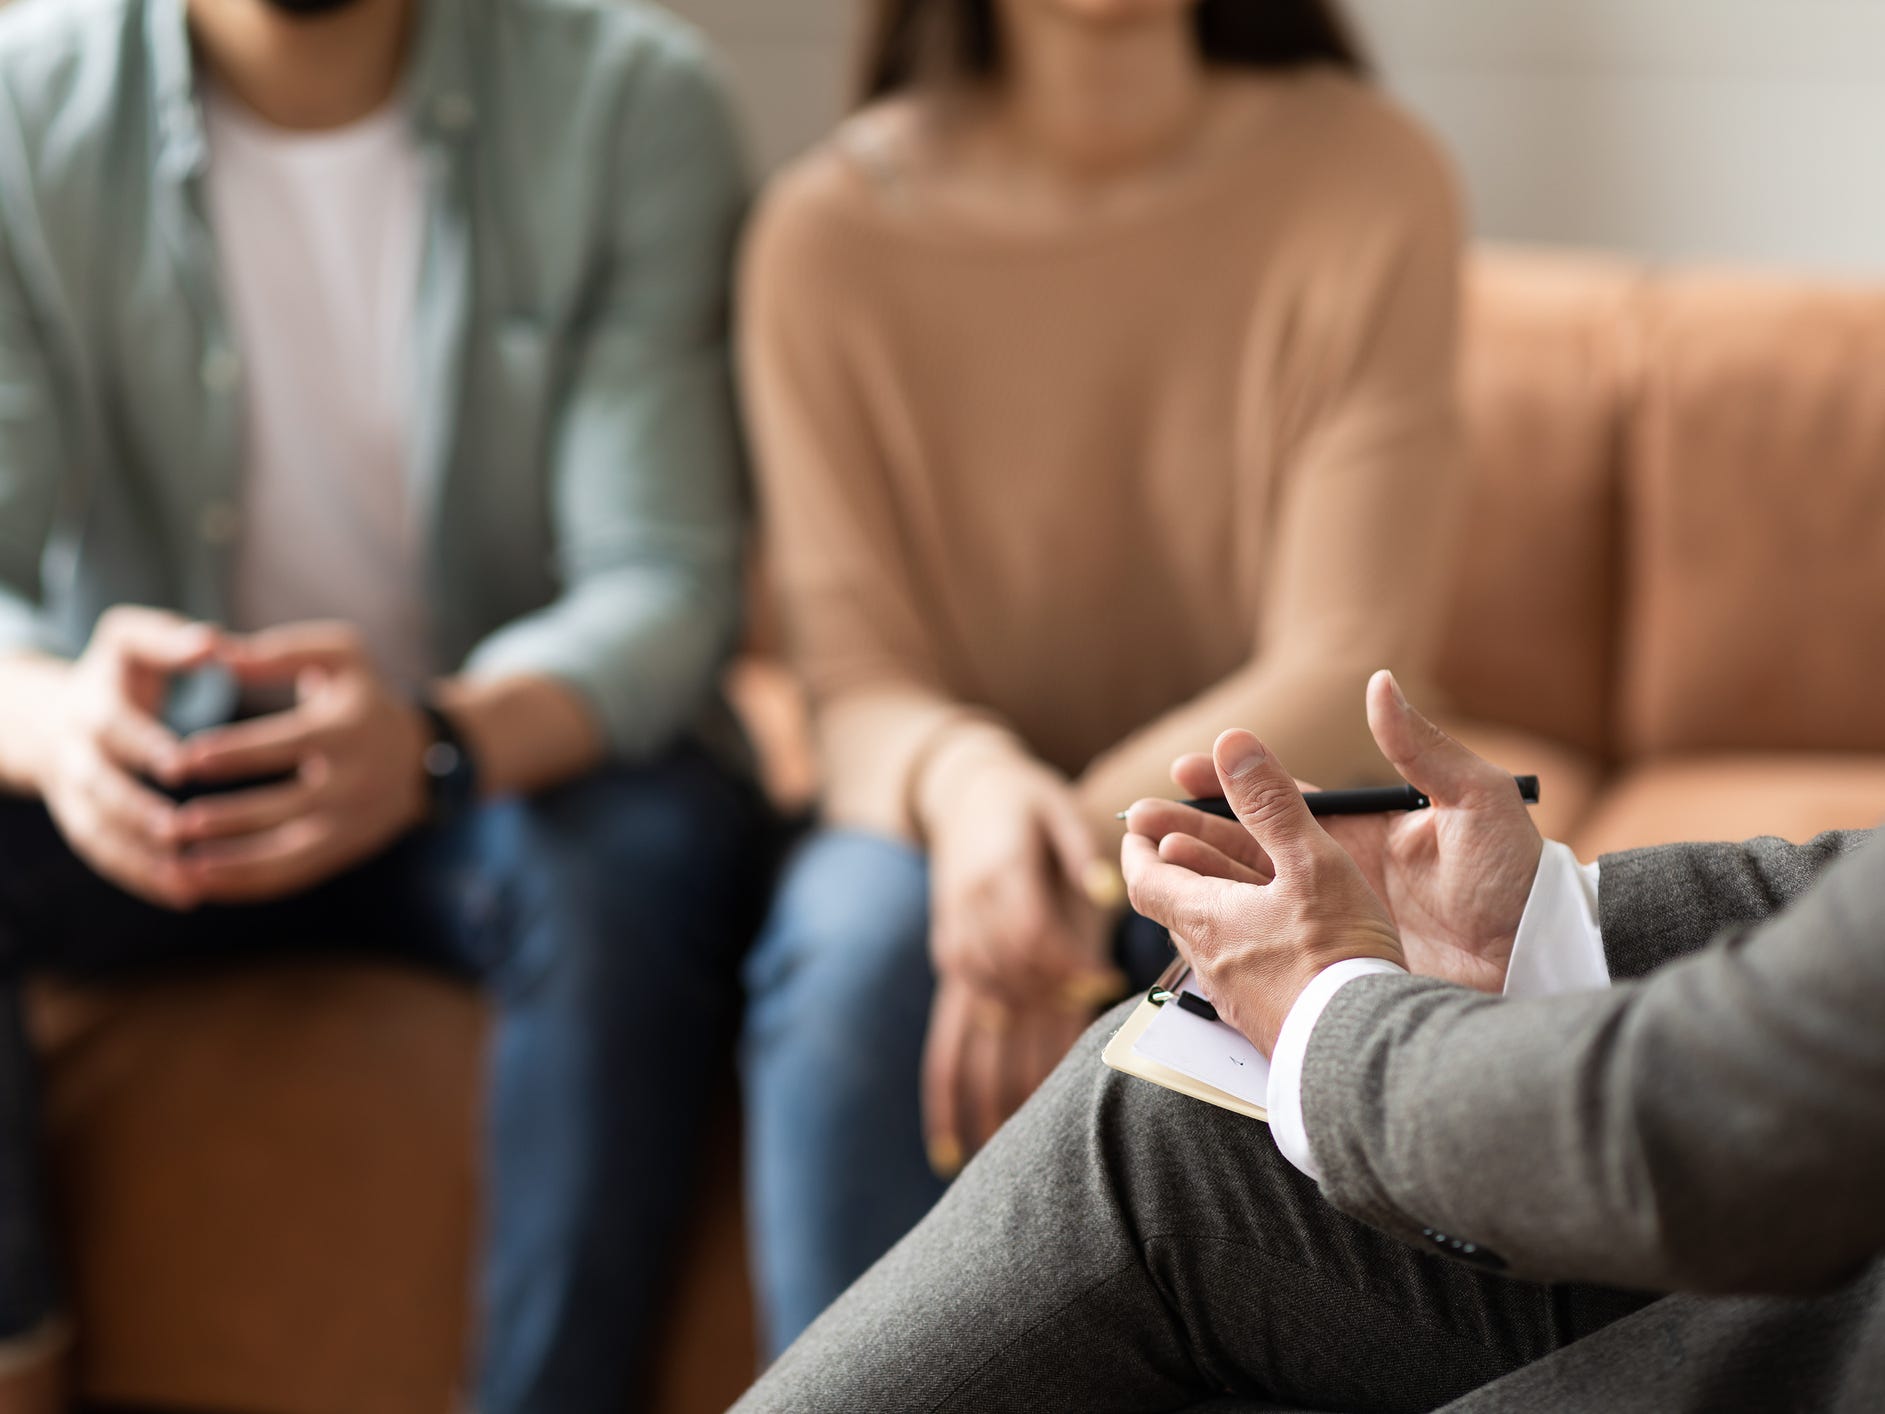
(890, 754)
(31, 684)
(1311, 714)
(641, 648)
(1709, 1128)
(1665, 903)
(526, 733)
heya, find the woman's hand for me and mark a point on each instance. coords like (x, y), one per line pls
(982, 1059)
(1008, 849)
(1021, 954)
(1455, 877)
(1257, 935)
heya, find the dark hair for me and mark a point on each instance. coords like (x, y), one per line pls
(908, 40)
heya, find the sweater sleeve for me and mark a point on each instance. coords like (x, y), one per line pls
(839, 561)
(1363, 414)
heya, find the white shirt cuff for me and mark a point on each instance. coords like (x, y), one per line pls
(1559, 948)
(1560, 945)
(1284, 1098)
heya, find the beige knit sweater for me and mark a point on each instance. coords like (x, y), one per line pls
(1097, 492)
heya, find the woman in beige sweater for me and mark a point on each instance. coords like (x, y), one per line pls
(1100, 377)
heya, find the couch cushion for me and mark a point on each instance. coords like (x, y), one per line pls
(1755, 600)
(1530, 635)
(1795, 796)
(268, 1178)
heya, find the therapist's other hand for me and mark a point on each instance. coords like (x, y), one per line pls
(1256, 940)
(349, 752)
(1455, 877)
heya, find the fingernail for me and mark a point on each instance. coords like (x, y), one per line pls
(1243, 758)
(1093, 989)
(1103, 885)
(945, 1157)
(1394, 686)
(991, 1017)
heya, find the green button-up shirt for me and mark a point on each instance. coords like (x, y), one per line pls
(575, 453)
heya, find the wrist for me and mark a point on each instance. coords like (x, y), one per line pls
(954, 771)
(446, 767)
(42, 689)
(1309, 993)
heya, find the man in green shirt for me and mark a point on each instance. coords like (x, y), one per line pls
(370, 526)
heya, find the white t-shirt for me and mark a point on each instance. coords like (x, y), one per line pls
(319, 237)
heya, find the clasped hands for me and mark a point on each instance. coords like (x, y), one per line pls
(1261, 904)
(340, 766)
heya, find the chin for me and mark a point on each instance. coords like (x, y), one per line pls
(1115, 12)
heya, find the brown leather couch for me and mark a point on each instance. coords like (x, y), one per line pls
(1671, 605)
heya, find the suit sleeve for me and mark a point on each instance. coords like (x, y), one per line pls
(1715, 1127)
(1657, 905)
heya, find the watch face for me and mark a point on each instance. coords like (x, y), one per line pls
(441, 760)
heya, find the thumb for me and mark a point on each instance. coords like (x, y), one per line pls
(156, 638)
(1265, 797)
(1429, 760)
(1070, 839)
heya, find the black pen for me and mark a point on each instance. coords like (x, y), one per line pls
(1369, 800)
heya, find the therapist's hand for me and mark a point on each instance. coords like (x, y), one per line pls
(1455, 877)
(1257, 941)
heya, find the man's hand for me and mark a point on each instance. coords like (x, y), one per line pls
(1455, 877)
(103, 740)
(1258, 936)
(350, 755)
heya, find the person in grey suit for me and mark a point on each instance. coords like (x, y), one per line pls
(1655, 1188)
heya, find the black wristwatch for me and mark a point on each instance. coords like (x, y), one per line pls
(451, 774)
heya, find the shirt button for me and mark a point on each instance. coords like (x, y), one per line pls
(218, 523)
(222, 369)
(453, 112)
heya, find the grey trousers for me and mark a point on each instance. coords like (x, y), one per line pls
(1120, 1247)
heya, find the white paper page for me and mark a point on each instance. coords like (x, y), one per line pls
(1212, 1051)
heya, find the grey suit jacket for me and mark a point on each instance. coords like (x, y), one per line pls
(1715, 1123)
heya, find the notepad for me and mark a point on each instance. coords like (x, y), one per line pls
(1207, 1060)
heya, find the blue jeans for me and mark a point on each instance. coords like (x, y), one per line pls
(574, 908)
(838, 995)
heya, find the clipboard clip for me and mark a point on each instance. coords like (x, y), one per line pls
(1167, 989)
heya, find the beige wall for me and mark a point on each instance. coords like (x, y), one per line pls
(1748, 130)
